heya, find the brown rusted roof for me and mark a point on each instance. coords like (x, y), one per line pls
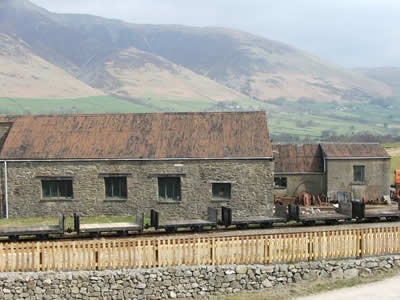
(355, 150)
(298, 158)
(139, 136)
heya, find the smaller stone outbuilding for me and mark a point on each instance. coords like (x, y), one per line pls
(298, 168)
(326, 168)
(363, 169)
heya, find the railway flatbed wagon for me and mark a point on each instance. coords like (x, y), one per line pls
(376, 212)
(280, 216)
(193, 224)
(311, 215)
(123, 228)
(39, 231)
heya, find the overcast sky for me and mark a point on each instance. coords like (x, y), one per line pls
(352, 33)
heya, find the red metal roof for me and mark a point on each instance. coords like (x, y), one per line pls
(353, 150)
(298, 158)
(139, 136)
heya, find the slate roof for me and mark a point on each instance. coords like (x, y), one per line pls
(139, 136)
(298, 158)
(353, 150)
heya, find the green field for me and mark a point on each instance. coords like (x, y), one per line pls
(305, 119)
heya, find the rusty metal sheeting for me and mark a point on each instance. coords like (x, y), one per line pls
(356, 150)
(298, 158)
(139, 136)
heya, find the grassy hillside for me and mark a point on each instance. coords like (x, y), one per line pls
(102, 104)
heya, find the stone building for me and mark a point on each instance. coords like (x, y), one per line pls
(363, 169)
(326, 168)
(298, 168)
(177, 163)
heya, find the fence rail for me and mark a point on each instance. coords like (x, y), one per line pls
(172, 251)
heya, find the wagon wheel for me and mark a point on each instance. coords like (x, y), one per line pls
(266, 225)
(393, 219)
(309, 223)
(242, 226)
(196, 228)
(332, 222)
(13, 238)
(170, 229)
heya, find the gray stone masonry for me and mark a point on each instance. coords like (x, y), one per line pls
(180, 282)
(251, 187)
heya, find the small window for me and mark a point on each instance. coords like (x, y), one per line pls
(359, 174)
(116, 187)
(57, 189)
(221, 191)
(280, 182)
(169, 188)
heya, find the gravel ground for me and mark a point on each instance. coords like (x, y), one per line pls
(388, 289)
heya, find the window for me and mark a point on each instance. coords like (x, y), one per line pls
(116, 187)
(221, 191)
(57, 188)
(359, 174)
(280, 182)
(169, 188)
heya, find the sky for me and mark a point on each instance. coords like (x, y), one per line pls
(351, 33)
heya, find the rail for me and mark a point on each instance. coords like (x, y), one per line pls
(167, 251)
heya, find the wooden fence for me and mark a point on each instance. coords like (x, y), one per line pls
(172, 251)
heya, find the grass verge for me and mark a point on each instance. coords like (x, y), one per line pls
(307, 288)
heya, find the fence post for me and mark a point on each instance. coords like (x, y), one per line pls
(360, 243)
(156, 253)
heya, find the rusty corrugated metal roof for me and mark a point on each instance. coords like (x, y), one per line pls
(353, 150)
(139, 136)
(298, 158)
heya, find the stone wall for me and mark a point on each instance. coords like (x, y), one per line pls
(251, 181)
(182, 281)
(377, 177)
(297, 183)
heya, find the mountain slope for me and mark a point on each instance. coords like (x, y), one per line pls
(389, 75)
(252, 65)
(25, 75)
(137, 74)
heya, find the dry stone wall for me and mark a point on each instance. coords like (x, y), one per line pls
(180, 282)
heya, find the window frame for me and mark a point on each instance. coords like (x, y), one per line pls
(123, 187)
(69, 190)
(162, 187)
(218, 198)
(362, 168)
(281, 187)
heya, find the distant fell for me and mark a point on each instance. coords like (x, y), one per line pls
(389, 75)
(25, 75)
(191, 62)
